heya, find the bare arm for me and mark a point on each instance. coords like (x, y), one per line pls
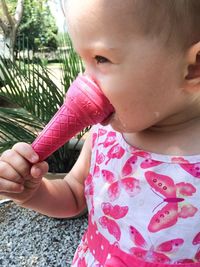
(64, 198)
(21, 179)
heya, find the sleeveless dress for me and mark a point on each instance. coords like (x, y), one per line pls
(144, 208)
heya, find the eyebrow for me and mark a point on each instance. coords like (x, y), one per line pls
(102, 47)
(99, 48)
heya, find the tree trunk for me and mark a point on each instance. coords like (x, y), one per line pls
(11, 24)
(10, 42)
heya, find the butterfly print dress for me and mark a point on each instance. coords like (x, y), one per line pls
(143, 208)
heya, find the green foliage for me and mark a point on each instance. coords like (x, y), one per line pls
(11, 4)
(70, 61)
(36, 97)
(38, 25)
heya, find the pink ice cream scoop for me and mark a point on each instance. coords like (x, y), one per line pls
(85, 105)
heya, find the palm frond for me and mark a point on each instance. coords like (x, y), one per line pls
(71, 65)
(31, 88)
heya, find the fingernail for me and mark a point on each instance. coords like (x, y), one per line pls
(38, 172)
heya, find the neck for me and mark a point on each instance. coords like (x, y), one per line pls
(177, 135)
(182, 121)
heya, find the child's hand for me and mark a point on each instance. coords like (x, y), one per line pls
(20, 173)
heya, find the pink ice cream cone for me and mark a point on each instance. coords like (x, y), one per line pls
(85, 105)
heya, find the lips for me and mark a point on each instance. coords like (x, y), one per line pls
(115, 122)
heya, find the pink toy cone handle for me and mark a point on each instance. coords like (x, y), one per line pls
(85, 105)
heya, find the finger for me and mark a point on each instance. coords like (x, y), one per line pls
(8, 173)
(38, 170)
(26, 151)
(36, 174)
(7, 186)
(17, 162)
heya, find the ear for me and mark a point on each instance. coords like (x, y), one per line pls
(192, 77)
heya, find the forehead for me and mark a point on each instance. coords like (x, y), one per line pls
(104, 6)
(112, 15)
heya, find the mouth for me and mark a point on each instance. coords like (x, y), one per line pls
(116, 123)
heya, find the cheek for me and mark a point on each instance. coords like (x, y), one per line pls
(133, 91)
(121, 94)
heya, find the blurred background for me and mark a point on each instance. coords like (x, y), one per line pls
(37, 65)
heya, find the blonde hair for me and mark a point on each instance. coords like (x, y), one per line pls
(176, 21)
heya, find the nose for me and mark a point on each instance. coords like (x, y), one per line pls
(88, 69)
(90, 75)
(114, 261)
(90, 72)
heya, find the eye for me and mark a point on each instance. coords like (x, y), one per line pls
(101, 59)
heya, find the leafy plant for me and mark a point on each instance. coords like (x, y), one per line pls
(36, 98)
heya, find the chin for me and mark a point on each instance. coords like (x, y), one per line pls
(121, 128)
(127, 129)
(116, 123)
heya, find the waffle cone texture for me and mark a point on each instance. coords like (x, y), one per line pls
(84, 105)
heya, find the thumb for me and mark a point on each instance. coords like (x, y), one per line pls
(38, 170)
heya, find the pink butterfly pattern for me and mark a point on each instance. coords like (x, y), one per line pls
(100, 157)
(96, 171)
(79, 257)
(193, 169)
(148, 162)
(130, 166)
(130, 184)
(173, 195)
(110, 139)
(89, 187)
(195, 242)
(102, 132)
(134, 172)
(94, 138)
(116, 151)
(196, 239)
(89, 192)
(195, 259)
(112, 213)
(155, 254)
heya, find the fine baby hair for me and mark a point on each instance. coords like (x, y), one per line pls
(176, 22)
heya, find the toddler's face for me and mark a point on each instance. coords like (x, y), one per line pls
(138, 75)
